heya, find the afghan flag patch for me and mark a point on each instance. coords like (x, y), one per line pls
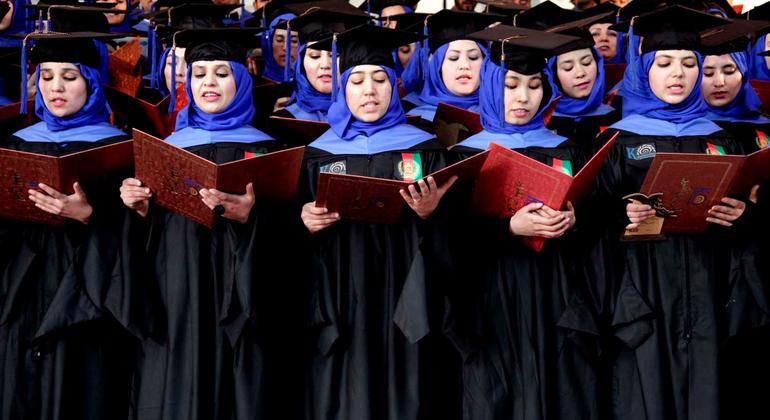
(249, 155)
(762, 140)
(563, 166)
(410, 167)
(715, 149)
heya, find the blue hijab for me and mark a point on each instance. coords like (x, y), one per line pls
(273, 70)
(160, 74)
(531, 134)
(620, 50)
(412, 76)
(96, 109)
(590, 106)
(435, 91)
(746, 105)
(759, 68)
(349, 135)
(238, 113)
(305, 96)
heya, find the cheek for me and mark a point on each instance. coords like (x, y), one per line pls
(228, 87)
(195, 85)
(564, 77)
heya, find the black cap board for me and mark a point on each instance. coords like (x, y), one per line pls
(545, 15)
(581, 29)
(75, 47)
(318, 20)
(227, 44)
(79, 17)
(732, 37)
(412, 22)
(367, 44)
(449, 25)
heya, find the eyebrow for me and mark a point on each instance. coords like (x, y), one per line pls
(64, 69)
(468, 50)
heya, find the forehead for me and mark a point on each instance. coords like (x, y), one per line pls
(463, 45)
(718, 60)
(366, 69)
(575, 54)
(210, 64)
(59, 66)
(675, 53)
(511, 73)
(601, 26)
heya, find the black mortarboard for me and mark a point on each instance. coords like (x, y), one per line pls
(761, 12)
(227, 44)
(79, 17)
(671, 28)
(639, 7)
(603, 8)
(731, 37)
(367, 44)
(75, 47)
(579, 29)
(545, 15)
(319, 20)
(193, 15)
(522, 50)
(507, 8)
(412, 22)
(267, 13)
(376, 6)
(449, 25)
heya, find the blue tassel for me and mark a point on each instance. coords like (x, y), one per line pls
(334, 68)
(153, 59)
(287, 50)
(172, 90)
(24, 95)
(243, 13)
(424, 52)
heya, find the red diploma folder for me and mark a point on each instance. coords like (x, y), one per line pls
(455, 124)
(21, 171)
(510, 180)
(691, 183)
(377, 200)
(762, 87)
(613, 74)
(147, 111)
(296, 132)
(176, 176)
(125, 72)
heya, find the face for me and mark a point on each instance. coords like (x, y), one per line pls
(258, 4)
(405, 53)
(279, 46)
(390, 11)
(115, 18)
(523, 95)
(213, 85)
(318, 69)
(368, 92)
(63, 88)
(180, 71)
(576, 71)
(721, 80)
(767, 47)
(606, 40)
(673, 75)
(465, 5)
(620, 3)
(461, 68)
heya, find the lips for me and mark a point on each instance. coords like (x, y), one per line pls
(720, 94)
(676, 89)
(209, 96)
(58, 102)
(325, 77)
(464, 78)
(520, 112)
(582, 86)
(370, 106)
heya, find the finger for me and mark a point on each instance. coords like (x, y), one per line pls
(632, 226)
(551, 228)
(724, 216)
(406, 197)
(638, 207)
(78, 191)
(132, 182)
(250, 191)
(733, 202)
(570, 207)
(531, 207)
(550, 212)
(547, 221)
(414, 194)
(424, 188)
(432, 184)
(725, 210)
(753, 196)
(50, 191)
(718, 221)
(317, 210)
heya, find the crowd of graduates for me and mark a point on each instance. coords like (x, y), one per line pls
(291, 310)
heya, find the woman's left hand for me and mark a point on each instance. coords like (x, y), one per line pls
(426, 200)
(726, 214)
(237, 207)
(74, 206)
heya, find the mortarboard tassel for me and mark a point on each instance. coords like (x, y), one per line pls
(423, 53)
(24, 94)
(172, 89)
(334, 68)
(287, 50)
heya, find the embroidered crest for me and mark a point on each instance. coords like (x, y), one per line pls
(338, 167)
(762, 139)
(715, 149)
(249, 155)
(641, 152)
(564, 166)
(410, 167)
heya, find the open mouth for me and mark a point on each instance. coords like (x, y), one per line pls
(210, 96)
(720, 94)
(520, 112)
(464, 78)
(370, 106)
(676, 89)
(58, 102)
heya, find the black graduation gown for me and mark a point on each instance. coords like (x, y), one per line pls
(62, 354)
(674, 297)
(524, 324)
(211, 356)
(583, 131)
(744, 359)
(370, 311)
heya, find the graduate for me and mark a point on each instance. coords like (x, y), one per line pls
(63, 352)
(760, 65)
(578, 71)
(670, 298)
(210, 360)
(610, 44)
(409, 59)
(451, 71)
(279, 49)
(369, 313)
(313, 70)
(523, 321)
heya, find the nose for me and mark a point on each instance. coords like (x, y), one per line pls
(57, 84)
(369, 88)
(326, 61)
(521, 96)
(719, 80)
(677, 70)
(580, 72)
(210, 79)
(464, 63)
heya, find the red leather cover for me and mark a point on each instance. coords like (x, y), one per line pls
(691, 183)
(296, 132)
(361, 198)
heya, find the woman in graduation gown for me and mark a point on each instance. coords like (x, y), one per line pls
(578, 70)
(207, 360)
(313, 68)
(369, 303)
(61, 351)
(523, 323)
(278, 64)
(735, 107)
(672, 295)
(453, 62)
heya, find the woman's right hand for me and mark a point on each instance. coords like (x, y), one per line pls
(534, 219)
(135, 196)
(317, 218)
(637, 213)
